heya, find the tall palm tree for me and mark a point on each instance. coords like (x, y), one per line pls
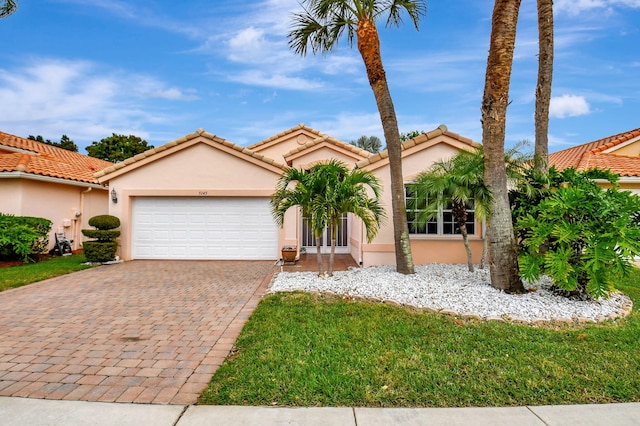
(543, 89)
(348, 192)
(503, 255)
(299, 187)
(7, 7)
(320, 26)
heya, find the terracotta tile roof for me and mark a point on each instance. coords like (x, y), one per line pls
(191, 136)
(28, 156)
(300, 126)
(418, 140)
(333, 141)
(592, 154)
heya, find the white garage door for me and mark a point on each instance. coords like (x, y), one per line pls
(203, 228)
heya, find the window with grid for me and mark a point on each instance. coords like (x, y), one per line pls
(443, 223)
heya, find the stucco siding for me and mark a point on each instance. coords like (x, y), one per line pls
(56, 202)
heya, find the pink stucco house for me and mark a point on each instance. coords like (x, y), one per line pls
(41, 180)
(203, 197)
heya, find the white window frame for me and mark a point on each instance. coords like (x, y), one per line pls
(439, 221)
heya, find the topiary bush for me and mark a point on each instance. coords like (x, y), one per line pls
(100, 251)
(104, 248)
(104, 222)
(21, 237)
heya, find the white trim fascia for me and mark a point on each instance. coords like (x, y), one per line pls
(622, 179)
(622, 145)
(30, 176)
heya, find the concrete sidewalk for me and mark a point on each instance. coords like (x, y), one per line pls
(40, 412)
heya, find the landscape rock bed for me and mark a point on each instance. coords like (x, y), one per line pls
(453, 290)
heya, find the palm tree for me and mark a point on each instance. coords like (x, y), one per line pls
(7, 7)
(348, 192)
(543, 89)
(503, 256)
(457, 182)
(368, 143)
(320, 26)
(325, 192)
(307, 188)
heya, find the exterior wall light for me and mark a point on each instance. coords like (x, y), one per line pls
(114, 196)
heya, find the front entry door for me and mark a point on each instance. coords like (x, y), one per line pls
(342, 237)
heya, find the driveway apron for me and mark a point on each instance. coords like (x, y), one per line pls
(140, 331)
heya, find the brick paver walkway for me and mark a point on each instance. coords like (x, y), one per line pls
(141, 331)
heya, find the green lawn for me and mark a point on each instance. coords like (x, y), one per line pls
(308, 350)
(17, 276)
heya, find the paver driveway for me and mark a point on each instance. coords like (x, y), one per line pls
(141, 331)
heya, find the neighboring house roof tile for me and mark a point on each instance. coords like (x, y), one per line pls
(198, 133)
(418, 140)
(600, 154)
(32, 157)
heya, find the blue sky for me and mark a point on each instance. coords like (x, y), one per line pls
(160, 69)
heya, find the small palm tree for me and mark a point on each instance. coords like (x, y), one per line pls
(325, 192)
(348, 192)
(7, 7)
(298, 187)
(459, 181)
(320, 26)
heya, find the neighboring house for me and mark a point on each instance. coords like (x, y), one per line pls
(618, 153)
(202, 197)
(41, 180)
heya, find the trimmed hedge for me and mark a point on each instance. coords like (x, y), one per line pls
(104, 222)
(99, 251)
(23, 236)
(104, 246)
(101, 235)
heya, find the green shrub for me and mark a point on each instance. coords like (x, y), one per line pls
(101, 235)
(104, 248)
(576, 232)
(22, 236)
(104, 222)
(99, 251)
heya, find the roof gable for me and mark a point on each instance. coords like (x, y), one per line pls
(345, 149)
(419, 143)
(199, 136)
(307, 132)
(39, 159)
(611, 153)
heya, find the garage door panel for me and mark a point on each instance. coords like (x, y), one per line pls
(203, 228)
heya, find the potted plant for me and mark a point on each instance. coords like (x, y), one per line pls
(289, 253)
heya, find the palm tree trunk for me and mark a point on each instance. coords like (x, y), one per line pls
(319, 255)
(333, 248)
(485, 249)
(369, 47)
(543, 89)
(465, 240)
(503, 259)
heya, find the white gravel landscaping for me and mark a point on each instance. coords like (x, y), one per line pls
(452, 289)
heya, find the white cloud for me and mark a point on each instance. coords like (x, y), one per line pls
(568, 106)
(54, 97)
(574, 7)
(349, 126)
(276, 80)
